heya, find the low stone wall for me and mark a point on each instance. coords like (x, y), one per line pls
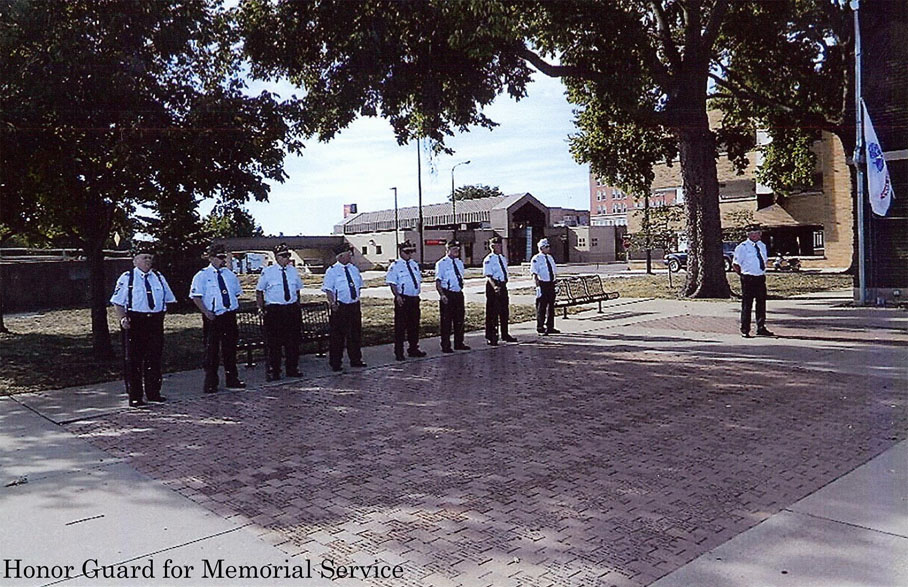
(47, 285)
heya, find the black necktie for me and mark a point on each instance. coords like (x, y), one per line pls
(149, 295)
(286, 285)
(457, 273)
(549, 265)
(504, 271)
(760, 258)
(351, 284)
(412, 276)
(225, 297)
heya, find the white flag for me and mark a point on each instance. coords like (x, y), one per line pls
(878, 183)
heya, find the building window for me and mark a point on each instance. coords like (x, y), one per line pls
(365, 250)
(595, 242)
(378, 249)
(819, 240)
(581, 242)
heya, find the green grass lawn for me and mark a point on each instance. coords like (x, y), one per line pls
(52, 349)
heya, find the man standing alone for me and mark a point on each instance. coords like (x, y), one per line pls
(495, 268)
(750, 263)
(405, 280)
(543, 267)
(140, 299)
(277, 297)
(215, 291)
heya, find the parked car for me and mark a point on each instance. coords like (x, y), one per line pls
(678, 261)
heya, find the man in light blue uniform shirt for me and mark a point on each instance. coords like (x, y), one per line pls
(215, 291)
(449, 272)
(542, 266)
(495, 268)
(405, 280)
(277, 298)
(342, 285)
(750, 263)
(140, 300)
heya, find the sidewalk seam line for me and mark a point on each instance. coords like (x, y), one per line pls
(858, 526)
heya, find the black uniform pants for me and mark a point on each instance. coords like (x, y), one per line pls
(545, 307)
(452, 318)
(406, 325)
(282, 334)
(143, 344)
(346, 331)
(220, 337)
(753, 288)
(497, 311)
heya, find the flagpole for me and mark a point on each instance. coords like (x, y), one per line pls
(859, 154)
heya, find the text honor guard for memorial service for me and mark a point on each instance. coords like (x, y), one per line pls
(543, 267)
(405, 280)
(449, 271)
(342, 286)
(277, 297)
(140, 299)
(216, 291)
(749, 262)
(495, 269)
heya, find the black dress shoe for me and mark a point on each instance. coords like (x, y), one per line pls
(275, 377)
(210, 390)
(400, 358)
(765, 332)
(235, 384)
(461, 347)
(492, 342)
(358, 364)
(158, 400)
(417, 353)
(553, 331)
(447, 350)
(137, 404)
(746, 335)
(508, 339)
(337, 369)
(294, 374)
(540, 331)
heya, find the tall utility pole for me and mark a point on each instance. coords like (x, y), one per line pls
(396, 224)
(422, 239)
(649, 234)
(453, 199)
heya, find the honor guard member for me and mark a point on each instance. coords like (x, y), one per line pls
(277, 298)
(543, 267)
(405, 281)
(215, 291)
(495, 268)
(140, 300)
(750, 263)
(342, 285)
(449, 283)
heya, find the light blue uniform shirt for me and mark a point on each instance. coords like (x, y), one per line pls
(271, 284)
(336, 282)
(444, 272)
(160, 291)
(399, 276)
(205, 285)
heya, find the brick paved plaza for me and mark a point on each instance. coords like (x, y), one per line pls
(603, 457)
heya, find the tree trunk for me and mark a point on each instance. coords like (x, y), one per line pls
(100, 334)
(3, 327)
(705, 265)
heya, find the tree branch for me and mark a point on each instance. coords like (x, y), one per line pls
(665, 35)
(716, 20)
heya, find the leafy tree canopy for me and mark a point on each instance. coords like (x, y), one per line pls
(106, 105)
(472, 192)
(231, 221)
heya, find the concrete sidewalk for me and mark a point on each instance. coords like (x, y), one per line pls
(646, 443)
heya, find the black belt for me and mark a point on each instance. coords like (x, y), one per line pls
(276, 305)
(348, 304)
(451, 291)
(143, 314)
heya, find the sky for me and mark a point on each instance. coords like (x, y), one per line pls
(528, 152)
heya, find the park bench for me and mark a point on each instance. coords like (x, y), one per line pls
(314, 331)
(577, 290)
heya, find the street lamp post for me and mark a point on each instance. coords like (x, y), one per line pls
(396, 223)
(453, 199)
